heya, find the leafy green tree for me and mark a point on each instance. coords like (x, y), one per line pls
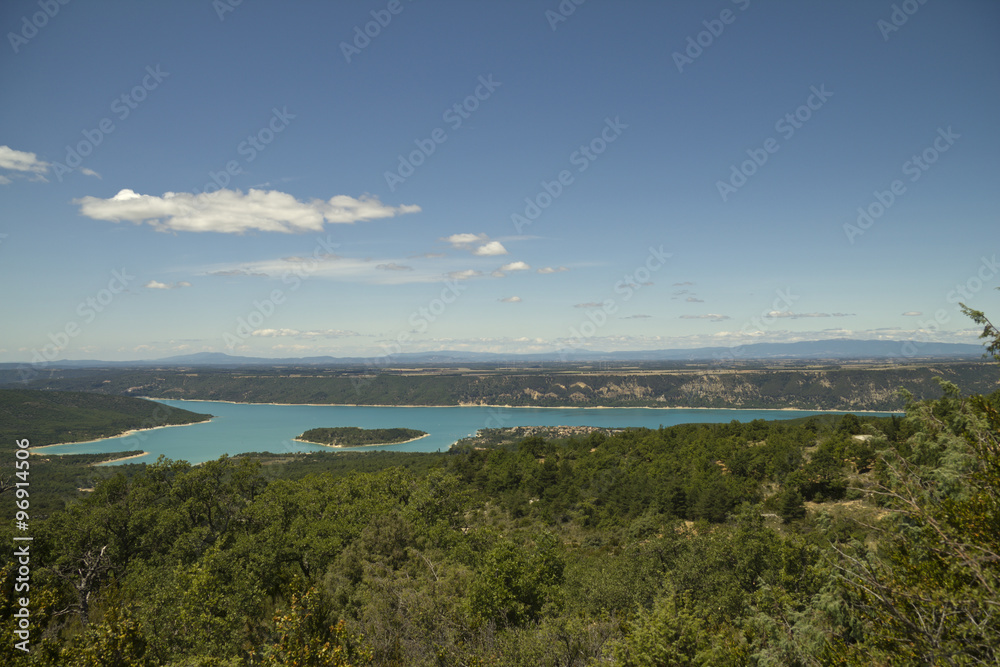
(791, 505)
(514, 583)
(673, 633)
(930, 593)
(304, 639)
(990, 332)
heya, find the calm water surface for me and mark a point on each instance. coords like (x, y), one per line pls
(251, 427)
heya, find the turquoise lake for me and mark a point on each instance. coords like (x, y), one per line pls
(249, 427)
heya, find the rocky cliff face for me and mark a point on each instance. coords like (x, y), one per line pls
(833, 389)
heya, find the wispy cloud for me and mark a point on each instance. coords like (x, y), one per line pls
(785, 314)
(155, 284)
(635, 317)
(912, 313)
(694, 299)
(392, 266)
(710, 316)
(549, 269)
(237, 272)
(511, 299)
(233, 212)
(22, 162)
(589, 304)
(465, 275)
(295, 333)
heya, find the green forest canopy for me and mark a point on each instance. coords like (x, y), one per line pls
(826, 540)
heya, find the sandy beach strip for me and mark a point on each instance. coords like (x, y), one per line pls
(124, 434)
(119, 460)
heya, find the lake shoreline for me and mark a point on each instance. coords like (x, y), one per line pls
(119, 460)
(123, 434)
(527, 407)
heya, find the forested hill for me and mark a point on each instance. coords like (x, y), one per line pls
(848, 388)
(50, 417)
(829, 540)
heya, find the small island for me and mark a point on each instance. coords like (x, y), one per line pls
(352, 436)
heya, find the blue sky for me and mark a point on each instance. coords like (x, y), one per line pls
(266, 179)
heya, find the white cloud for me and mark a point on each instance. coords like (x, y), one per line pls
(484, 247)
(392, 266)
(233, 212)
(515, 266)
(549, 269)
(4, 180)
(464, 275)
(511, 299)
(156, 284)
(636, 317)
(465, 240)
(491, 248)
(694, 299)
(498, 274)
(912, 313)
(21, 161)
(427, 255)
(90, 172)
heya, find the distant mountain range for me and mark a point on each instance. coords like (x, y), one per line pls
(835, 349)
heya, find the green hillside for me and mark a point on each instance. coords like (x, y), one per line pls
(51, 417)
